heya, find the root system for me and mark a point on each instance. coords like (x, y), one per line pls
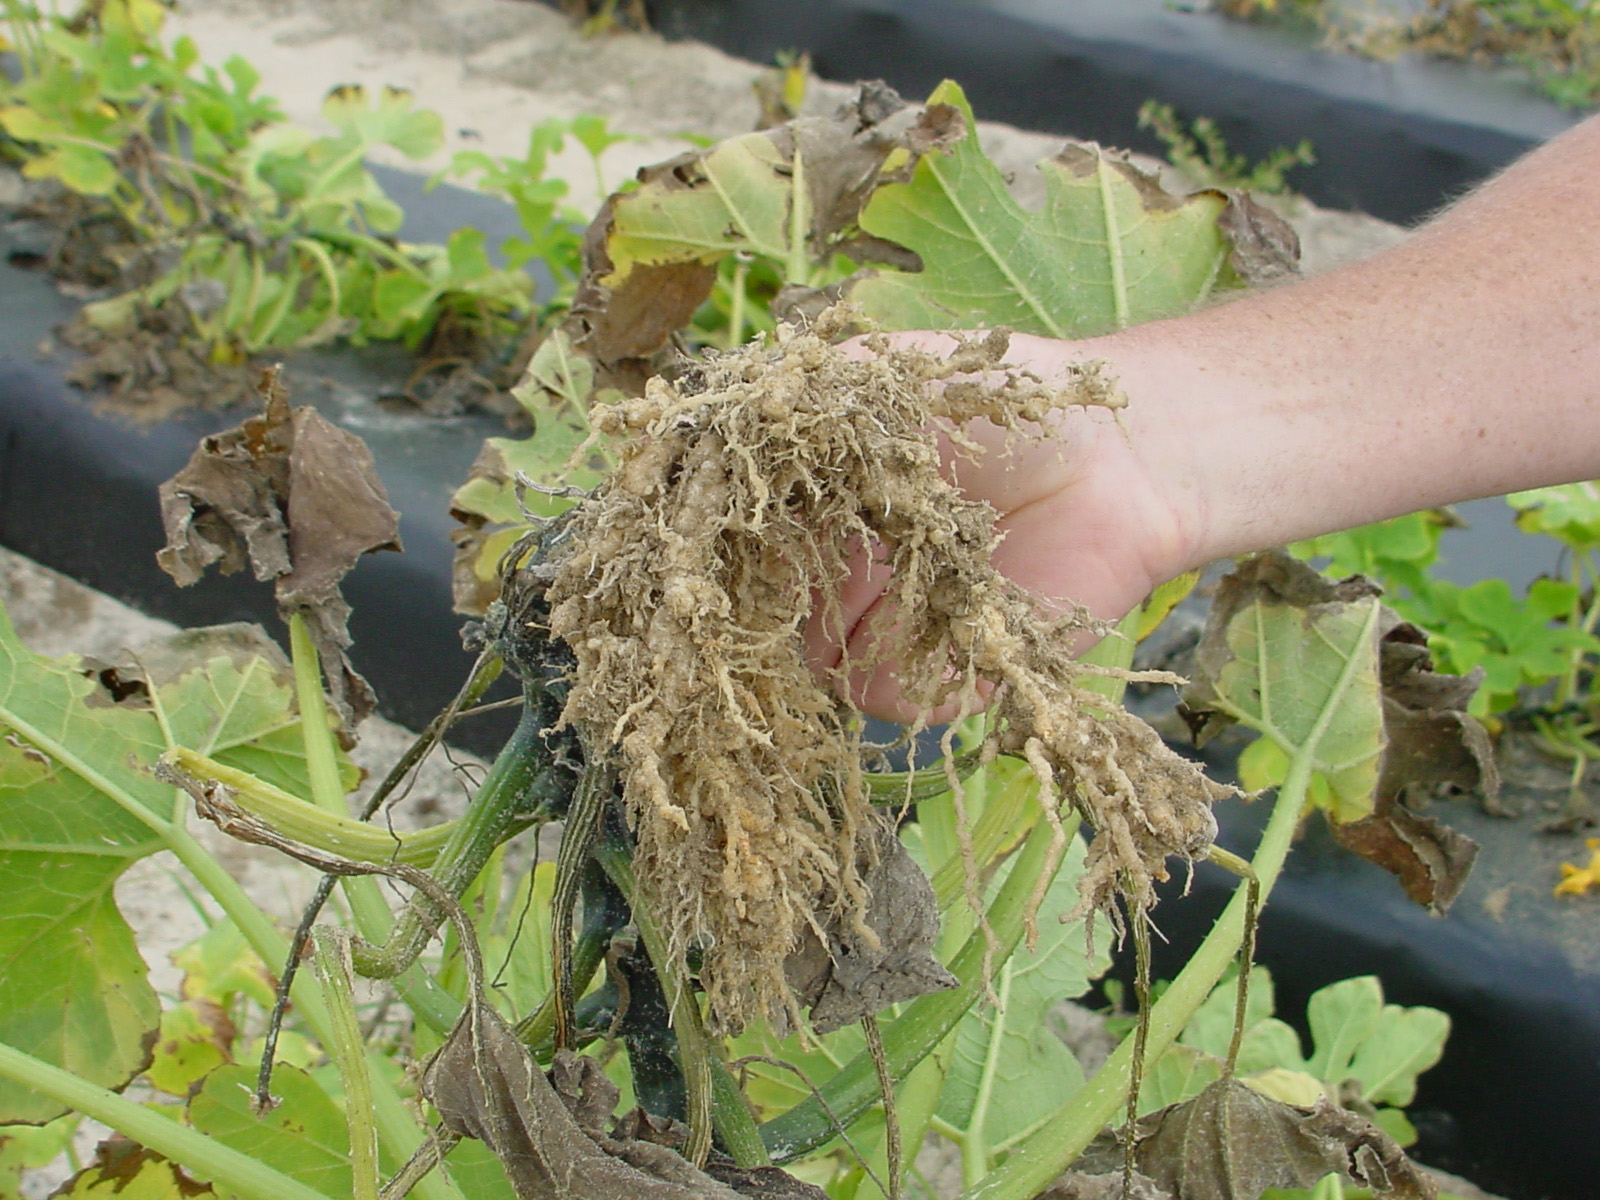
(743, 491)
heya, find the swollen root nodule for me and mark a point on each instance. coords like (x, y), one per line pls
(743, 490)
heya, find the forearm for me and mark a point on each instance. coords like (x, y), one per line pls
(1465, 362)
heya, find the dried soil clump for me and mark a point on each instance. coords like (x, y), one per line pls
(743, 490)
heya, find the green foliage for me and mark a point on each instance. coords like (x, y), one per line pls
(256, 233)
(1537, 650)
(1316, 693)
(1200, 152)
(80, 805)
(1364, 1052)
(1007, 1064)
(1099, 256)
(552, 229)
(1556, 41)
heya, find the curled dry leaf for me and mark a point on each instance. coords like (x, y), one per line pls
(854, 975)
(792, 193)
(1232, 1143)
(298, 501)
(1406, 734)
(687, 580)
(548, 1132)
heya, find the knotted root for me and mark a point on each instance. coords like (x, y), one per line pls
(744, 489)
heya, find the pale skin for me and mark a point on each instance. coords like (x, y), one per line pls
(1465, 362)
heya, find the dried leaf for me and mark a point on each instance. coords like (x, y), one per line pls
(855, 976)
(485, 1085)
(761, 1183)
(1266, 249)
(650, 256)
(1232, 1143)
(1431, 860)
(296, 499)
(1278, 629)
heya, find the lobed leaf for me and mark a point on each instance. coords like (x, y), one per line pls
(1110, 248)
(78, 804)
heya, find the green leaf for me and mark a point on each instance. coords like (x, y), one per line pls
(1405, 1043)
(84, 169)
(594, 135)
(478, 1172)
(27, 1147)
(78, 804)
(1570, 512)
(469, 260)
(1342, 1016)
(746, 206)
(517, 952)
(303, 1136)
(1181, 1073)
(390, 120)
(1009, 1060)
(195, 1037)
(1302, 671)
(1383, 1047)
(1211, 1027)
(219, 965)
(1109, 249)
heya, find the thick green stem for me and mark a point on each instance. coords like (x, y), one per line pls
(426, 999)
(730, 1115)
(508, 799)
(349, 1053)
(1037, 1160)
(205, 1157)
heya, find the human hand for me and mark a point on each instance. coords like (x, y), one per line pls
(1087, 514)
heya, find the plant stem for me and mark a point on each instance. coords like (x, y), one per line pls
(729, 1115)
(204, 1156)
(374, 921)
(975, 1149)
(349, 1053)
(1037, 1160)
(396, 1125)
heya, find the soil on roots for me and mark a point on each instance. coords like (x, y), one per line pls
(744, 488)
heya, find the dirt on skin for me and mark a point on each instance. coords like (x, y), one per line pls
(742, 490)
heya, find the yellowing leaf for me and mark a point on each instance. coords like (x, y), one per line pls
(1110, 248)
(1289, 659)
(78, 804)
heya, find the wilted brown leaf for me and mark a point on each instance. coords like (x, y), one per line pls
(1232, 1143)
(854, 976)
(1266, 249)
(296, 499)
(485, 1085)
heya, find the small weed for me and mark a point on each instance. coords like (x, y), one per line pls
(1200, 152)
